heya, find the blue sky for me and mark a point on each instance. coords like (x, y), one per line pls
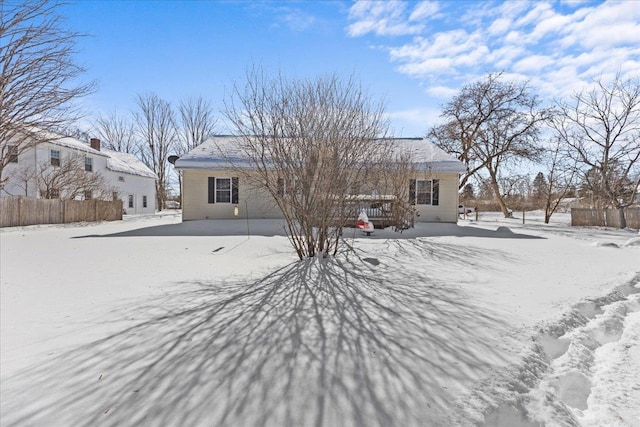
(415, 54)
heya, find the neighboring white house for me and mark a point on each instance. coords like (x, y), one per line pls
(211, 189)
(130, 179)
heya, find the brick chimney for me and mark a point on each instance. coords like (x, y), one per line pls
(95, 143)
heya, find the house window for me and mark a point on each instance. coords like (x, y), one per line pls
(88, 195)
(222, 190)
(424, 192)
(13, 154)
(88, 164)
(114, 196)
(130, 200)
(121, 178)
(144, 201)
(287, 187)
(54, 193)
(55, 157)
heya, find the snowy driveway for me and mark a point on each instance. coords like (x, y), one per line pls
(153, 322)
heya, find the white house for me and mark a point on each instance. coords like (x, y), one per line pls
(212, 188)
(130, 179)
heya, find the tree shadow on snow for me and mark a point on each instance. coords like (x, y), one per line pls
(340, 341)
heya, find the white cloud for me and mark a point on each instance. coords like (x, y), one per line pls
(424, 10)
(533, 63)
(381, 18)
(296, 20)
(443, 92)
(499, 26)
(608, 25)
(558, 47)
(414, 122)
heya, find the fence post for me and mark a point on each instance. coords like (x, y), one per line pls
(20, 210)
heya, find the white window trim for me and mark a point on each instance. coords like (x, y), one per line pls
(215, 195)
(58, 157)
(430, 201)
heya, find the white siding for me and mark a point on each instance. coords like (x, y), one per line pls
(135, 185)
(447, 209)
(258, 204)
(195, 197)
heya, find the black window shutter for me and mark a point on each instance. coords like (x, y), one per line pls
(234, 190)
(436, 192)
(412, 191)
(212, 189)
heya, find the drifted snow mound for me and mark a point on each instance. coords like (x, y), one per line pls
(606, 244)
(634, 241)
(505, 231)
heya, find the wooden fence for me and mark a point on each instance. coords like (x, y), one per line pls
(19, 211)
(605, 217)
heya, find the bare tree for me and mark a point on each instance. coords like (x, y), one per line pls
(394, 176)
(602, 130)
(489, 125)
(561, 177)
(309, 144)
(117, 133)
(38, 77)
(197, 122)
(70, 180)
(157, 127)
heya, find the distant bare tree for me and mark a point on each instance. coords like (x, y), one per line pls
(561, 177)
(310, 144)
(490, 124)
(38, 77)
(157, 127)
(25, 177)
(197, 122)
(70, 180)
(602, 131)
(117, 133)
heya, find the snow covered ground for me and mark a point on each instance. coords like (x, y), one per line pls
(149, 321)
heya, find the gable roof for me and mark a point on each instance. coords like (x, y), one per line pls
(208, 155)
(127, 163)
(116, 161)
(69, 142)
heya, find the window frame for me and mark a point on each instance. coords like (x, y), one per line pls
(88, 164)
(55, 159)
(13, 153)
(213, 190)
(144, 201)
(226, 192)
(88, 194)
(433, 192)
(130, 204)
